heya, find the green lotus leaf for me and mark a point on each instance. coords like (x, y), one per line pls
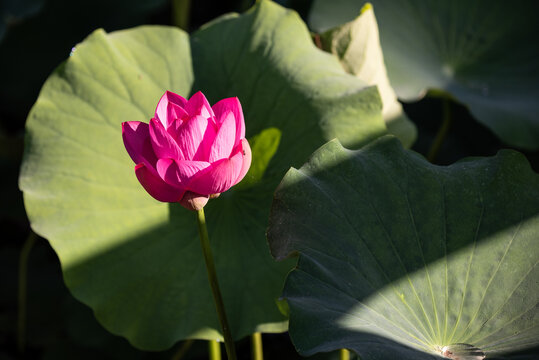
(137, 262)
(357, 45)
(263, 146)
(402, 259)
(482, 53)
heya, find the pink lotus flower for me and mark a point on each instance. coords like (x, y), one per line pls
(189, 151)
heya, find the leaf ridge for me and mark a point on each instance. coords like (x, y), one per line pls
(503, 340)
(504, 303)
(77, 143)
(78, 117)
(410, 212)
(400, 260)
(426, 345)
(468, 270)
(491, 278)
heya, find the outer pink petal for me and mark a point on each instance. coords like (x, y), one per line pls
(136, 138)
(170, 107)
(179, 173)
(219, 177)
(233, 104)
(246, 150)
(163, 144)
(195, 137)
(225, 139)
(156, 187)
(198, 105)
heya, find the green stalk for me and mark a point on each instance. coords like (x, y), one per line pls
(23, 273)
(214, 284)
(442, 131)
(344, 354)
(256, 346)
(214, 348)
(180, 13)
(182, 350)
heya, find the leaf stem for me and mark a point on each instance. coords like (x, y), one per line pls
(23, 273)
(180, 13)
(442, 131)
(182, 350)
(214, 284)
(214, 348)
(344, 354)
(256, 346)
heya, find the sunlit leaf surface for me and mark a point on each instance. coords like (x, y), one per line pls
(137, 262)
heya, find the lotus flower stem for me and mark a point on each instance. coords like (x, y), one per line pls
(180, 13)
(214, 284)
(23, 270)
(344, 354)
(256, 346)
(214, 348)
(442, 131)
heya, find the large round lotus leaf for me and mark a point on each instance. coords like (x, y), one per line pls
(483, 53)
(137, 262)
(357, 45)
(402, 259)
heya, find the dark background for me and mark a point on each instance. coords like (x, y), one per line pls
(36, 36)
